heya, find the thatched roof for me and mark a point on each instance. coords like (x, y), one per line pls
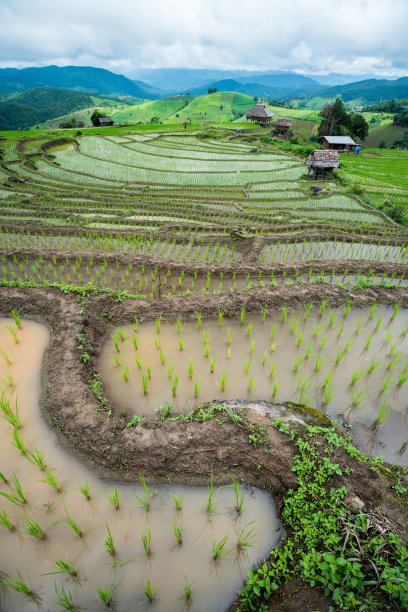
(283, 122)
(341, 140)
(259, 112)
(323, 159)
(105, 121)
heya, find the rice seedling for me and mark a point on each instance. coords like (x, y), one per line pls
(246, 536)
(134, 341)
(273, 331)
(284, 313)
(70, 522)
(395, 360)
(84, 488)
(6, 358)
(372, 311)
(332, 318)
(6, 522)
(170, 370)
(65, 599)
(328, 394)
(8, 414)
(181, 343)
(239, 496)
(322, 307)
(178, 323)
(174, 385)
(347, 308)
(264, 311)
(178, 501)
(199, 319)
(121, 334)
(36, 457)
(105, 594)
(317, 329)
(190, 368)
(223, 380)
(158, 324)
(383, 415)
(247, 365)
(109, 543)
(373, 365)
(116, 343)
(319, 363)
(18, 584)
(197, 388)
(276, 386)
(298, 363)
(273, 348)
(358, 373)
(358, 398)
(13, 333)
(386, 384)
(149, 592)
(187, 588)
(136, 323)
(251, 383)
(403, 378)
(64, 567)
(299, 339)
(51, 479)
(378, 323)
(3, 479)
(138, 360)
(396, 310)
(210, 507)
(17, 319)
(212, 365)
(146, 538)
(113, 496)
(32, 528)
(307, 310)
(125, 374)
(243, 315)
(144, 501)
(219, 549)
(177, 529)
(220, 318)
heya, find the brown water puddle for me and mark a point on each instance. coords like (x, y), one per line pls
(260, 364)
(215, 583)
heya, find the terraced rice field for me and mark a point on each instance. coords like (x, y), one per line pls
(163, 271)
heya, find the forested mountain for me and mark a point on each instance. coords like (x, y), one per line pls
(370, 91)
(39, 104)
(83, 78)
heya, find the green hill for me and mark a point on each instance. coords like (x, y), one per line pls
(220, 107)
(145, 111)
(39, 104)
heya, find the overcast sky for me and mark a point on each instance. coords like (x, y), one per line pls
(349, 36)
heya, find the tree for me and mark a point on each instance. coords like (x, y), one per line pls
(359, 126)
(212, 90)
(96, 115)
(382, 145)
(335, 117)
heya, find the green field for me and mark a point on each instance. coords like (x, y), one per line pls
(381, 173)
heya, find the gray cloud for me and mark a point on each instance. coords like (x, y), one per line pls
(307, 35)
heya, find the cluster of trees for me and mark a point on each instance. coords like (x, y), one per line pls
(338, 122)
(73, 122)
(402, 118)
(96, 115)
(395, 105)
(212, 90)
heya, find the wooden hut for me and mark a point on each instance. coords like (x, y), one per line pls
(259, 114)
(282, 125)
(320, 162)
(338, 143)
(105, 121)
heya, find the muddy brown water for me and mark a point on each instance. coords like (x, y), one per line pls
(215, 584)
(359, 403)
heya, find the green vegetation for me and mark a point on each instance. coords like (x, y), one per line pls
(36, 105)
(355, 559)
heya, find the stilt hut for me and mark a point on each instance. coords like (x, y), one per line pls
(259, 114)
(282, 125)
(320, 162)
(338, 143)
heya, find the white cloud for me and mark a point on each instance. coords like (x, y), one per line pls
(311, 35)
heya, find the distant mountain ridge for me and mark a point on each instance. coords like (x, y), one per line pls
(370, 90)
(83, 78)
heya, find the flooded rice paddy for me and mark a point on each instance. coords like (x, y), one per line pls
(214, 584)
(351, 364)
